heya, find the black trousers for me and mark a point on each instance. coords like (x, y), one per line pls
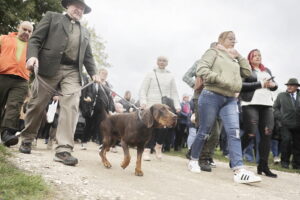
(258, 118)
(92, 126)
(159, 135)
(180, 132)
(290, 145)
(13, 90)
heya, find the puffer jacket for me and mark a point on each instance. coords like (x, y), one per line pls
(221, 73)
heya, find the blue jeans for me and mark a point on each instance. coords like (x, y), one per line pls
(275, 148)
(210, 105)
(191, 137)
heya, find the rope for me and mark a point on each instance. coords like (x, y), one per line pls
(52, 90)
(55, 92)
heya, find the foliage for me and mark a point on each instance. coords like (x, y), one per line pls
(15, 184)
(14, 11)
(98, 47)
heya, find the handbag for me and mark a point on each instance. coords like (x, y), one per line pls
(51, 111)
(199, 83)
(164, 99)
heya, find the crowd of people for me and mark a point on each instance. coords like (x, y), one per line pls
(233, 103)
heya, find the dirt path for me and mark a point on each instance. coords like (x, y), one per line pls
(167, 179)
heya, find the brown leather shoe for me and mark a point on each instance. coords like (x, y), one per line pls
(66, 158)
(25, 147)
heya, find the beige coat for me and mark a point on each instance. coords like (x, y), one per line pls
(221, 73)
(149, 92)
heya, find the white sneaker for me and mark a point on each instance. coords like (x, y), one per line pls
(50, 144)
(83, 146)
(277, 160)
(146, 154)
(245, 176)
(158, 152)
(194, 167)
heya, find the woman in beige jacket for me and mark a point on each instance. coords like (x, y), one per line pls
(150, 94)
(222, 69)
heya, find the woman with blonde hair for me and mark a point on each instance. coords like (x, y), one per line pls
(222, 69)
(157, 83)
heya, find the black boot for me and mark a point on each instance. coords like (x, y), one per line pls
(25, 147)
(204, 165)
(8, 137)
(263, 167)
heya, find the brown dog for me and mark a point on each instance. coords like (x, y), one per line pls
(134, 131)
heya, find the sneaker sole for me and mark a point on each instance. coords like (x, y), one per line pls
(193, 171)
(245, 182)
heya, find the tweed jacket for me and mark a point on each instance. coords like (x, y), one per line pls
(286, 111)
(49, 41)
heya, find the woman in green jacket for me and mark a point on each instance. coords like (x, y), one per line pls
(222, 69)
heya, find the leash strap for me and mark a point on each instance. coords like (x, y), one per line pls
(52, 90)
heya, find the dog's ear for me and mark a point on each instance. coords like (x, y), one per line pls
(147, 117)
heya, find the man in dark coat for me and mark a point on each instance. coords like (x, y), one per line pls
(59, 47)
(287, 111)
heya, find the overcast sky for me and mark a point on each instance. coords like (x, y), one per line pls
(137, 31)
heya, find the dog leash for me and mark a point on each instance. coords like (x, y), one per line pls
(53, 91)
(50, 89)
(121, 97)
(138, 109)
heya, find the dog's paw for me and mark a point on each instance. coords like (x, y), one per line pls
(107, 164)
(125, 163)
(139, 172)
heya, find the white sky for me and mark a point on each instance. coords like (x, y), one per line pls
(136, 32)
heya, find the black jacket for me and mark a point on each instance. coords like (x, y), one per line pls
(250, 84)
(100, 100)
(286, 112)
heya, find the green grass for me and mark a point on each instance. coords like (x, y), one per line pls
(15, 184)
(219, 156)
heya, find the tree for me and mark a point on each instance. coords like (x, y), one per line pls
(14, 11)
(97, 46)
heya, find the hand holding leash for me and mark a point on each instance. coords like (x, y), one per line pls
(96, 78)
(32, 63)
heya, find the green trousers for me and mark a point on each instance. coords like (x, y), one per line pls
(13, 90)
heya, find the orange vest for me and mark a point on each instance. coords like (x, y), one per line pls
(8, 53)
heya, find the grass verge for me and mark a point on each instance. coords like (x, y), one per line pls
(218, 156)
(16, 184)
